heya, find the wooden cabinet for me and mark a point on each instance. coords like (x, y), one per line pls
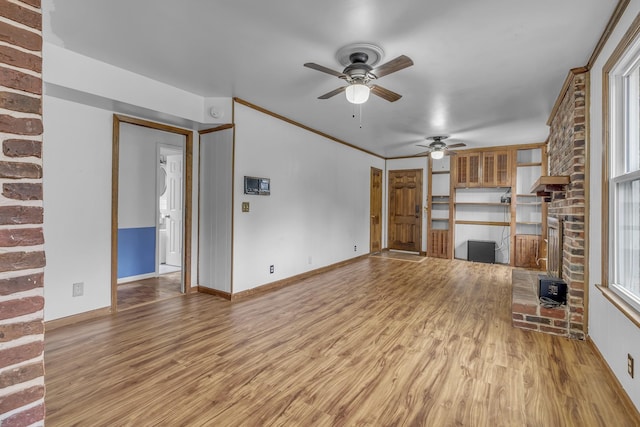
(485, 169)
(438, 244)
(496, 169)
(527, 250)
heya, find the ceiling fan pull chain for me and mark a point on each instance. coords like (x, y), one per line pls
(360, 106)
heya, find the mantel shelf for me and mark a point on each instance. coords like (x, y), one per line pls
(547, 184)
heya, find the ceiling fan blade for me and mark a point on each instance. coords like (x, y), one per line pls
(385, 93)
(424, 153)
(332, 93)
(459, 144)
(449, 152)
(392, 66)
(324, 70)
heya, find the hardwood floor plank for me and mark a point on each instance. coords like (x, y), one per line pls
(376, 342)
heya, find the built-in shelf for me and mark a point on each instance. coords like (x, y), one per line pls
(440, 219)
(439, 172)
(546, 184)
(529, 203)
(529, 222)
(528, 164)
(526, 195)
(439, 203)
(435, 196)
(493, 223)
(483, 203)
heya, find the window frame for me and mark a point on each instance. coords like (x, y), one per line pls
(624, 61)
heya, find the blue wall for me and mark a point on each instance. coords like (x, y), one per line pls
(136, 251)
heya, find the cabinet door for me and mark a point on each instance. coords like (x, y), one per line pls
(462, 170)
(496, 169)
(475, 170)
(489, 169)
(527, 251)
(503, 169)
(439, 244)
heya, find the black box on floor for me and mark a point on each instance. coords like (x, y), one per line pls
(481, 251)
(553, 288)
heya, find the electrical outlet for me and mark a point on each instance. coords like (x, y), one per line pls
(271, 269)
(630, 365)
(78, 289)
(355, 248)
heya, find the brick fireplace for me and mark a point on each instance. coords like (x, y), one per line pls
(566, 206)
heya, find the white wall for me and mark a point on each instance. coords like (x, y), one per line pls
(612, 332)
(318, 209)
(77, 200)
(138, 170)
(403, 164)
(216, 179)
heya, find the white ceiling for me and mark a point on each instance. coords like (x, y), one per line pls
(486, 72)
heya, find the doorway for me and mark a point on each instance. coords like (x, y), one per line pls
(146, 156)
(405, 210)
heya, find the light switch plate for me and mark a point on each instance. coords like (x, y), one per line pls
(245, 206)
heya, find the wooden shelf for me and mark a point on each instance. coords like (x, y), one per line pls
(546, 184)
(439, 203)
(529, 164)
(529, 203)
(529, 222)
(493, 223)
(482, 203)
(434, 196)
(527, 195)
(439, 172)
(440, 219)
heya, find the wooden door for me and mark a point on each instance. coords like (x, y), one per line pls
(405, 210)
(375, 228)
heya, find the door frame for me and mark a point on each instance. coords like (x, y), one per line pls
(187, 199)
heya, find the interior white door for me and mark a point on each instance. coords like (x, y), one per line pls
(174, 201)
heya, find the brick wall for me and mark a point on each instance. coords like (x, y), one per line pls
(21, 239)
(567, 157)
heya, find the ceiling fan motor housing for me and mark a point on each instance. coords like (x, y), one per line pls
(358, 71)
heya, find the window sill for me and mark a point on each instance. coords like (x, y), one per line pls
(621, 305)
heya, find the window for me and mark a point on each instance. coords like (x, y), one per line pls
(624, 176)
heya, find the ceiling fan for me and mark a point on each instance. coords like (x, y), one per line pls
(360, 75)
(437, 149)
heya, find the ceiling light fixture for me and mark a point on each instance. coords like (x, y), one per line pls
(438, 154)
(357, 93)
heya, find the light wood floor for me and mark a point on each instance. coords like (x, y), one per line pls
(379, 342)
(134, 294)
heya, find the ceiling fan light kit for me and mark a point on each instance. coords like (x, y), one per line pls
(437, 154)
(357, 93)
